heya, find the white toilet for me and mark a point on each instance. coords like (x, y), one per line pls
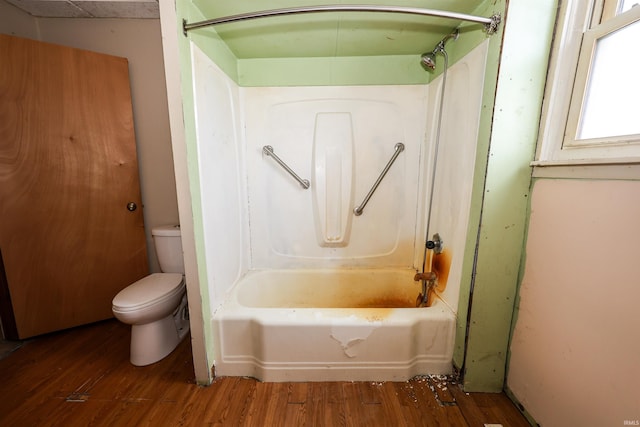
(156, 305)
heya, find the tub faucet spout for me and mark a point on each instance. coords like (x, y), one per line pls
(429, 276)
(428, 279)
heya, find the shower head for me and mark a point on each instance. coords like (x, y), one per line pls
(428, 61)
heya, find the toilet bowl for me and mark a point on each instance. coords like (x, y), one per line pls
(156, 305)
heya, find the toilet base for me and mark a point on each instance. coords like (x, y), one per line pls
(154, 341)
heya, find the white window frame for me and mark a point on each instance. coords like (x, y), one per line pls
(577, 31)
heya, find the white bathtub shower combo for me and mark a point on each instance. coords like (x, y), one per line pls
(301, 288)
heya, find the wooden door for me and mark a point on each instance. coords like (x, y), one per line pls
(68, 170)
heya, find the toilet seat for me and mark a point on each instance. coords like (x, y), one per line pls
(148, 291)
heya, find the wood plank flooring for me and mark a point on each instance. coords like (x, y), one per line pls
(82, 377)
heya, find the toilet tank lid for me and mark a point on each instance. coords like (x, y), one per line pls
(166, 230)
(148, 289)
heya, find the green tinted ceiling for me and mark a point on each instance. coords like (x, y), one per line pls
(329, 34)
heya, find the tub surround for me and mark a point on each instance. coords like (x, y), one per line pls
(339, 138)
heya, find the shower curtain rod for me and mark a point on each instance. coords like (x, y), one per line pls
(491, 24)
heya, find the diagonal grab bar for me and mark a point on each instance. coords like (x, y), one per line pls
(268, 150)
(399, 148)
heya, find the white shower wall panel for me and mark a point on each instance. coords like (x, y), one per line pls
(222, 176)
(340, 139)
(455, 167)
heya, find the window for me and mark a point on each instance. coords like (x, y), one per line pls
(592, 100)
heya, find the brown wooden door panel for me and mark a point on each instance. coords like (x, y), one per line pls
(68, 168)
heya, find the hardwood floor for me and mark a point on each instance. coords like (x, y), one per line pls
(82, 377)
(7, 347)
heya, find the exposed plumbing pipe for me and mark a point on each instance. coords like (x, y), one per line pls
(429, 278)
(428, 60)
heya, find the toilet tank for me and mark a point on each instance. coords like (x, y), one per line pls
(168, 248)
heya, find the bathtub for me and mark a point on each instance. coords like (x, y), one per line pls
(331, 325)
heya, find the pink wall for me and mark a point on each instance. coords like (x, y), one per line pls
(575, 352)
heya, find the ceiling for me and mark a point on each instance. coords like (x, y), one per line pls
(88, 8)
(332, 34)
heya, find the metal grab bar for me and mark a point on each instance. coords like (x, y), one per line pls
(399, 148)
(268, 150)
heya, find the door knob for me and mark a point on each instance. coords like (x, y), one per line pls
(131, 206)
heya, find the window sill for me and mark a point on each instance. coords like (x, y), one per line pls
(621, 168)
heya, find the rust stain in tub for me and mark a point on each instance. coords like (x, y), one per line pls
(440, 264)
(377, 309)
(373, 314)
(385, 302)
